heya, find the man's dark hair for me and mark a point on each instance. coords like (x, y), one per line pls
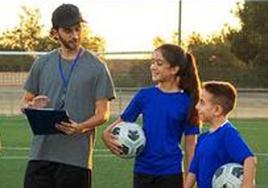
(65, 16)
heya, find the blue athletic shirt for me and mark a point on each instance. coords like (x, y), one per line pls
(215, 149)
(164, 122)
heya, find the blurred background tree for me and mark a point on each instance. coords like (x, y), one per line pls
(250, 43)
(30, 35)
(232, 54)
(25, 36)
(158, 41)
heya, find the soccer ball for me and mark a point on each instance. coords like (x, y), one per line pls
(131, 137)
(229, 175)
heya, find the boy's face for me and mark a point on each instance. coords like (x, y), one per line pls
(205, 107)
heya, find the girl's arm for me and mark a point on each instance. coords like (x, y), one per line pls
(190, 142)
(190, 180)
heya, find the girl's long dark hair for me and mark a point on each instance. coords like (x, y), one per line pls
(189, 78)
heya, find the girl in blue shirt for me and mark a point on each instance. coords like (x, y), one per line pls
(168, 113)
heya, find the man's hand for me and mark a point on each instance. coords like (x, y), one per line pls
(70, 128)
(39, 101)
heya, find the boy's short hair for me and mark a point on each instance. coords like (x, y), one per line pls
(224, 94)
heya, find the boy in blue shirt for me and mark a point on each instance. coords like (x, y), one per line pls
(222, 143)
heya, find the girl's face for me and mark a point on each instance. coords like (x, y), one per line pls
(161, 70)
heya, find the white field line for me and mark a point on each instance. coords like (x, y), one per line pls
(95, 150)
(262, 154)
(98, 153)
(26, 157)
(253, 128)
(95, 156)
(16, 148)
(27, 149)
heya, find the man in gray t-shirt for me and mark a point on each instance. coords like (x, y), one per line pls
(73, 79)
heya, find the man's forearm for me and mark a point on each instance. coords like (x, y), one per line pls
(94, 121)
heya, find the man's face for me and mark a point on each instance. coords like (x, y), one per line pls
(69, 37)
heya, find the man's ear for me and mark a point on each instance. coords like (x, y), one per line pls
(53, 34)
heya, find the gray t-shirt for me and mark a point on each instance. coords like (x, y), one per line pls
(89, 81)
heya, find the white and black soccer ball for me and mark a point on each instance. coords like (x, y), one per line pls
(229, 175)
(131, 137)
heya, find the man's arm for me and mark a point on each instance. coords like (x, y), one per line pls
(34, 101)
(27, 97)
(101, 115)
(249, 172)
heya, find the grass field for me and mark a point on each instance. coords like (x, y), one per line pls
(109, 171)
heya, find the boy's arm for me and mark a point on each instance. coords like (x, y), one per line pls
(190, 180)
(249, 172)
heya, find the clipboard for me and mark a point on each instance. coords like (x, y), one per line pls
(43, 121)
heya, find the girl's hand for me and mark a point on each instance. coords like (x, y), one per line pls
(111, 141)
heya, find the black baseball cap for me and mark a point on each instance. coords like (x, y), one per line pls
(66, 15)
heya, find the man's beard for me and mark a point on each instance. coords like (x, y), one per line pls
(69, 44)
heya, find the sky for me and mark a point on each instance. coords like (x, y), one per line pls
(131, 25)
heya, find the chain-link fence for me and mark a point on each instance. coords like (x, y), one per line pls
(131, 71)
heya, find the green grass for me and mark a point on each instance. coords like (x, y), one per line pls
(109, 171)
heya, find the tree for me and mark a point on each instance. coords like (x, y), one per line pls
(29, 35)
(158, 41)
(89, 41)
(26, 35)
(250, 43)
(213, 51)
